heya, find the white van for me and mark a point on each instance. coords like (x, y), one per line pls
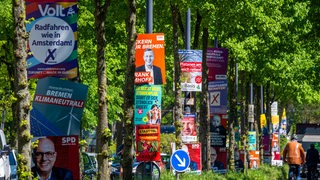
(5, 170)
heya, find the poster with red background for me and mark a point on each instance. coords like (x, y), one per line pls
(194, 150)
(67, 150)
(148, 142)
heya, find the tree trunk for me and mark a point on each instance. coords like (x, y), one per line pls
(197, 31)
(22, 111)
(103, 132)
(129, 91)
(232, 114)
(178, 116)
(204, 133)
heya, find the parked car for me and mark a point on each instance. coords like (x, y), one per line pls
(116, 169)
(93, 157)
(89, 167)
(13, 164)
(4, 157)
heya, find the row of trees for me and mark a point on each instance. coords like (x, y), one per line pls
(274, 43)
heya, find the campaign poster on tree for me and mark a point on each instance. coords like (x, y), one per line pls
(218, 130)
(150, 62)
(194, 151)
(57, 107)
(191, 70)
(53, 36)
(147, 104)
(218, 159)
(218, 97)
(148, 142)
(252, 140)
(254, 159)
(217, 62)
(63, 152)
(189, 128)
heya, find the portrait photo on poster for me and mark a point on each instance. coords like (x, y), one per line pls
(44, 156)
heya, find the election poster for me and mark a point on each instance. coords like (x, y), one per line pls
(275, 123)
(218, 158)
(148, 142)
(218, 130)
(194, 152)
(147, 104)
(217, 62)
(266, 141)
(218, 97)
(150, 62)
(189, 128)
(283, 123)
(254, 159)
(191, 70)
(57, 107)
(252, 140)
(63, 151)
(52, 42)
(239, 160)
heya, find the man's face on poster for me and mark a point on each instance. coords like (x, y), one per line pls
(148, 57)
(213, 155)
(188, 127)
(45, 155)
(216, 120)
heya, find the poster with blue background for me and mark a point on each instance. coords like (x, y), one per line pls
(57, 107)
(147, 104)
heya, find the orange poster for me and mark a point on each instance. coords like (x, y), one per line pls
(254, 159)
(150, 59)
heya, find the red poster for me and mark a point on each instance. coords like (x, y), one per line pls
(194, 151)
(189, 128)
(218, 159)
(150, 63)
(148, 142)
(57, 156)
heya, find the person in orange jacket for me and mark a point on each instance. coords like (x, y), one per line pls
(294, 155)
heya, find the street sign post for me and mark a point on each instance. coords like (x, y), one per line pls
(180, 160)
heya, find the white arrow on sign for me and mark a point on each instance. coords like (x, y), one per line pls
(182, 163)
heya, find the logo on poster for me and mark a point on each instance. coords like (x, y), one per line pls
(51, 40)
(215, 99)
(69, 140)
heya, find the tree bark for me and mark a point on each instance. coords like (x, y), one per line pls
(22, 111)
(232, 114)
(103, 131)
(178, 116)
(197, 31)
(129, 91)
(204, 133)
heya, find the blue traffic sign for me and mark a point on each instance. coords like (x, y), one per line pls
(180, 160)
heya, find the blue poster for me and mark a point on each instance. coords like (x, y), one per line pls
(147, 104)
(57, 107)
(218, 96)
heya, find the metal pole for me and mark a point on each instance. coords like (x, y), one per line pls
(187, 94)
(236, 94)
(216, 44)
(188, 30)
(149, 16)
(261, 99)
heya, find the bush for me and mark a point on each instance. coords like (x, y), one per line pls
(265, 172)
